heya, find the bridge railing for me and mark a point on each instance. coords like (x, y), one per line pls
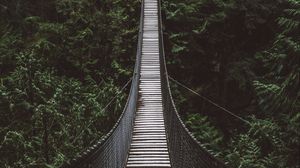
(112, 150)
(185, 151)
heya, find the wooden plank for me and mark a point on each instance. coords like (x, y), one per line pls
(149, 143)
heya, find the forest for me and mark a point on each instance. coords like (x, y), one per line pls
(62, 62)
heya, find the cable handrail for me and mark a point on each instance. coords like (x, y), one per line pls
(106, 152)
(209, 100)
(185, 150)
(112, 150)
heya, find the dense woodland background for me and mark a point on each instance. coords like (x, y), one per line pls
(61, 61)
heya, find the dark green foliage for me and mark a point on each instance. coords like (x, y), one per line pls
(208, 135)
(61, 61)
(244, 55)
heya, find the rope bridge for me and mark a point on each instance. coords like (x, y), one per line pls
(149, 132)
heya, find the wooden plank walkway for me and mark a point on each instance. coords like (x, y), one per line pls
(149, 143)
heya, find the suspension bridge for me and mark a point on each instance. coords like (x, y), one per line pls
(149, 132)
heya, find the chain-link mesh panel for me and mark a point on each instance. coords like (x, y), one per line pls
(112, 150)
(185, 150)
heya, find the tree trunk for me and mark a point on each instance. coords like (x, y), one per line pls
(45, 138)
(31, 97)
(222, 119)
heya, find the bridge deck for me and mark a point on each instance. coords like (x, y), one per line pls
(149, 143)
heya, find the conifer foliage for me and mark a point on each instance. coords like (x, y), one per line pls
(61, 61)
(244, 55)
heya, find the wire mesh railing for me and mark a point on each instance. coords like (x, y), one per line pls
(185, 151)
(111, 151)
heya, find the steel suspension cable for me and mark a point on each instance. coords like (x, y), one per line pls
(123, 88)
(112, 149)
(209, 100)
(107, 105)
(215, 104)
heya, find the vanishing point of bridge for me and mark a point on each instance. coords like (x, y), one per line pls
(149, 143)
(149, 132)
